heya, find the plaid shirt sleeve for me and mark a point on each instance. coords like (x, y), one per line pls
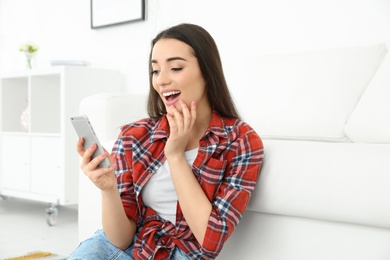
(243, 162)
(125, 177)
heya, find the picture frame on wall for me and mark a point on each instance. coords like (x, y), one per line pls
(106, 13)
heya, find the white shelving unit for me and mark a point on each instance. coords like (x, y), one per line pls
(41, 163)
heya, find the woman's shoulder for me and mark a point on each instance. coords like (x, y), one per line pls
(139, 127)
(236, 124)
(238, 128)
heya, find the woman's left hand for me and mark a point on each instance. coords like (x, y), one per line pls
(180, 125)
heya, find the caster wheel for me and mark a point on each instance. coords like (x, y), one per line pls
(51, 217)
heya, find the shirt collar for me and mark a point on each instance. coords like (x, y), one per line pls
(217, 126)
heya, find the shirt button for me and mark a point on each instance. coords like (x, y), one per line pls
(178, 215)
(150, 216)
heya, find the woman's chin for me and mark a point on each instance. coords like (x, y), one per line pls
(171, 111)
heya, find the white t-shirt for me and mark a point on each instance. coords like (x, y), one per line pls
(159, 192)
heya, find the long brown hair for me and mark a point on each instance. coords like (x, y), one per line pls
(206, 51)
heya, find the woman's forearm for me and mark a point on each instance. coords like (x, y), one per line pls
(120, 230)
(194, 204)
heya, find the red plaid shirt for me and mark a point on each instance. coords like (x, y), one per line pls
(227, 167)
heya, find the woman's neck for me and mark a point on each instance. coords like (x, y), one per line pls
(203, 118)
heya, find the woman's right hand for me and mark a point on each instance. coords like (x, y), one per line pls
(103, 178)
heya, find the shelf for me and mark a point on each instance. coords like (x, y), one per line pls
(46, 166)
(40, 72)
(41, 102)
(30, 134)
(14, 99)
(45, 103)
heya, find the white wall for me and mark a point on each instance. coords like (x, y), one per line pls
(241, 28)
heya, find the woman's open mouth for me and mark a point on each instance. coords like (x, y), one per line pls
(171, 95)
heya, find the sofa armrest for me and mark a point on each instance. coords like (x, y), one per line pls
(109, 111)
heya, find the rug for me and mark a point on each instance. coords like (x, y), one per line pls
(37, 256)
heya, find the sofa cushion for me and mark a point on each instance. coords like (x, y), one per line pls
(273, 237)
(343, 182)
(306, 96)
(370, 121)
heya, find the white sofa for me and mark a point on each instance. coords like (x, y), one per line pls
(324, 189)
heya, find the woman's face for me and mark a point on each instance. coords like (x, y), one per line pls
(176, 74)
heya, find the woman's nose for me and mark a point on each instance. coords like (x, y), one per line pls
(163, 78)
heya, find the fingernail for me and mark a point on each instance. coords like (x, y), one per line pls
(103, 155)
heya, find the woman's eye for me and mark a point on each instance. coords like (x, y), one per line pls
(154, 72)
(176, 69)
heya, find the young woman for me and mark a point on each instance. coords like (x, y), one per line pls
(180, 180)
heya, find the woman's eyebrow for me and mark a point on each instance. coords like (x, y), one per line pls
(170, 59)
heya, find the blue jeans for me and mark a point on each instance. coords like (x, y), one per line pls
(98, 247)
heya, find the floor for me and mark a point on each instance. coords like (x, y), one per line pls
(24, 228)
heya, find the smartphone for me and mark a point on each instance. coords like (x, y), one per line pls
(84, 129)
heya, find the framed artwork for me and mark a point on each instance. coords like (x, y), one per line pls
(106, 13)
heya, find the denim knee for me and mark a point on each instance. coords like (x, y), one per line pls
(99, 247)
